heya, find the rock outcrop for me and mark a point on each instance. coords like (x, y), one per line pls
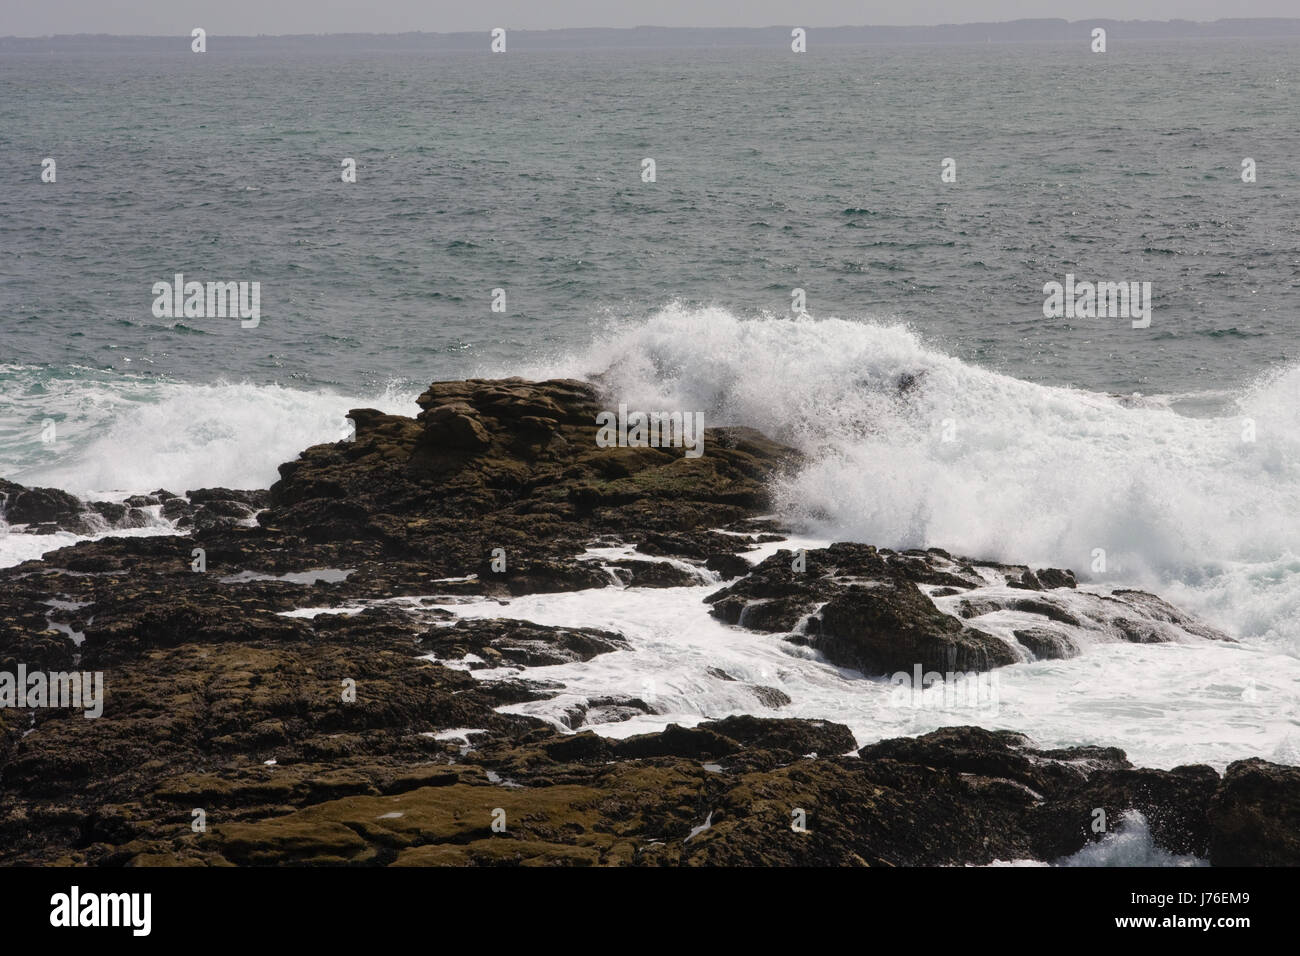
(879, 611)
(304, 690)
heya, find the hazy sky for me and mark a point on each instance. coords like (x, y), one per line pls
(246, 17)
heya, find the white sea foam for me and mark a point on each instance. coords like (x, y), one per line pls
(15, 548)
(1165, 704)
(132, 436)
(1032, 474)
(1129, 844)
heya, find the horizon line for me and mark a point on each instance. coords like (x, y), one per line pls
(650, 26)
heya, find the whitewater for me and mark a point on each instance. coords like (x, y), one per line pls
(1193, 496)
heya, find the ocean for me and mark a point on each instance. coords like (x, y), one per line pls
(1172, 449)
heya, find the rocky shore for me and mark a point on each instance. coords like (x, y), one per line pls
(284, 683)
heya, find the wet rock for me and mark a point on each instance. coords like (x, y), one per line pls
(1027, 580)
(1157, 609)
(1174, 803)
(254, 497)
(862, 608)
(502, 642)
(691, 742)
(225, 508)
(1051, 578)
(792, 736)
(770, 697)
(728, 566)
(1045, 644)
(580, 748)
(49, 507)
(995, 754)
(174, 508)
(609, 710)
(890, 628)
(1044, 579)
(208, 518)
(110, 511)
(1125, 615)
(654, 574)
(1254, 816)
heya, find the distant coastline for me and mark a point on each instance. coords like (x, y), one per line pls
(650, 37)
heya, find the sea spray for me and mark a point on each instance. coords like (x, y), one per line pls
(145, 435)
(910, 447)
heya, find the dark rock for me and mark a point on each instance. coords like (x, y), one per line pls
(1045, 644)
(792, 736)
(1051, 578)
(654, 574)
(1045, 579)
(1048, 608)
(41, 506)
(252, 497)
(728, 566)
(456, 426)
(884, 629)
(503, 642)
(174, 508)
(207, 518)
(580, 748)
(1175, 804)
(1255, 816)
(1026, 580)
(227, 509)
(110, 511)
(973, 750)
(770, 697)
(691, 742)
